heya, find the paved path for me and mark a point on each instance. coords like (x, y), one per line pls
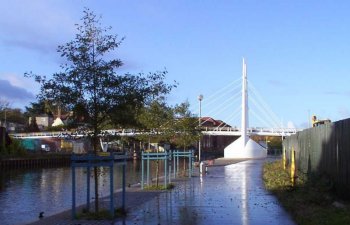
(232, 194)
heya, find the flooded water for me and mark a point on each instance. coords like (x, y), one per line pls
(26, 193)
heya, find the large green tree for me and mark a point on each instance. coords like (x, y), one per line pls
(89, 79)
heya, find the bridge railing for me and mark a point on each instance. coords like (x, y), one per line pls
(133, 132)
(252, 130)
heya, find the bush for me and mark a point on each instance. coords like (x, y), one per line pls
(15, 149)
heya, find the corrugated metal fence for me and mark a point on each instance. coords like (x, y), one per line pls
(324, 150)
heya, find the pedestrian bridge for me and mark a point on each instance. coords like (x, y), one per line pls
(230, 131)
(224, 131)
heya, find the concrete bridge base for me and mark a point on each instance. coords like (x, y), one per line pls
(241, 150)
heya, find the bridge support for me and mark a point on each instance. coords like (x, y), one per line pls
(244, 147)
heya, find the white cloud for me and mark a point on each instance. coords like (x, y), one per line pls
(20, 81)
(38, 24)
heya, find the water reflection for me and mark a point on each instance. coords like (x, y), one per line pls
(244, 211)
(25, 193)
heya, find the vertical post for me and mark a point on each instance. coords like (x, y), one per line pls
(177, 162)
(174, 158)
(169, 173)
(292, 168)
(142, 170)
(189, 164)
(124, 182)
(148, 169)
(244, 122)
(200, 98)
(73, 190)
(111, 188)
(165, 169)
(192, 160)
(88, 187)
(284, 158)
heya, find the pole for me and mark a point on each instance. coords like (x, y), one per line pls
(73, 191)
(88, 187)
(111, 187)
(200, 98)
(142, 170)
(165, 169)
(124, 183)
(244, 121)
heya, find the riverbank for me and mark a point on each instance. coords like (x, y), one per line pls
(232, 194)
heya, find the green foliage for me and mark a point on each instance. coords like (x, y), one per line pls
(310, 201)
(40, 107)
(13, 150)
(57, 128)
(14, 115)
(89, 83)
(159, 187)
(102, 214)
(89, 80)
(33, 126)
(157, 119)
(185, 126)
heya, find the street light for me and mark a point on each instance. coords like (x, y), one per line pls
(200, 98)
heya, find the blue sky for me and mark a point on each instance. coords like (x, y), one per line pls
(297, 51)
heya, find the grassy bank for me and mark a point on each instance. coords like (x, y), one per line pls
(311, 201)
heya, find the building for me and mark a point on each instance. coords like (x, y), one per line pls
(214, 145)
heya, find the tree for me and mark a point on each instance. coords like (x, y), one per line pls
(156, 118)
(3, 107)
(43, 106)
(185, 126)
(89, 79)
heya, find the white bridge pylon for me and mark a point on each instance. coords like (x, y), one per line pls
(244, 147)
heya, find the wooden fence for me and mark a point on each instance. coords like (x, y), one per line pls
(35, 162)
(324, 150)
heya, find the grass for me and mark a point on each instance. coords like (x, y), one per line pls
(102, 214)
(159, 187)
(310, 201)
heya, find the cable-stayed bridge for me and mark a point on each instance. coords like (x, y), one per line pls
(228, 103)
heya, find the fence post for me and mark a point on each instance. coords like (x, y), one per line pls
(174, 158)
(292, 168)
(88, 188)
(189, 165)
(111, 189)
(73, 191)
(284, 158)
(142, 170)
(165, 169)
(147, 168)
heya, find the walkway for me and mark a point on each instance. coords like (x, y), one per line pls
(232, 194)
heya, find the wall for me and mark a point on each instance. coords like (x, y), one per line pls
(324, 150)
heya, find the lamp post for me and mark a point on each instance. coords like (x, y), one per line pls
(200, 98)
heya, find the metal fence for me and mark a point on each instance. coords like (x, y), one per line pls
(324, 150)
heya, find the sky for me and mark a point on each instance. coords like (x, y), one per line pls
(297, 52)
